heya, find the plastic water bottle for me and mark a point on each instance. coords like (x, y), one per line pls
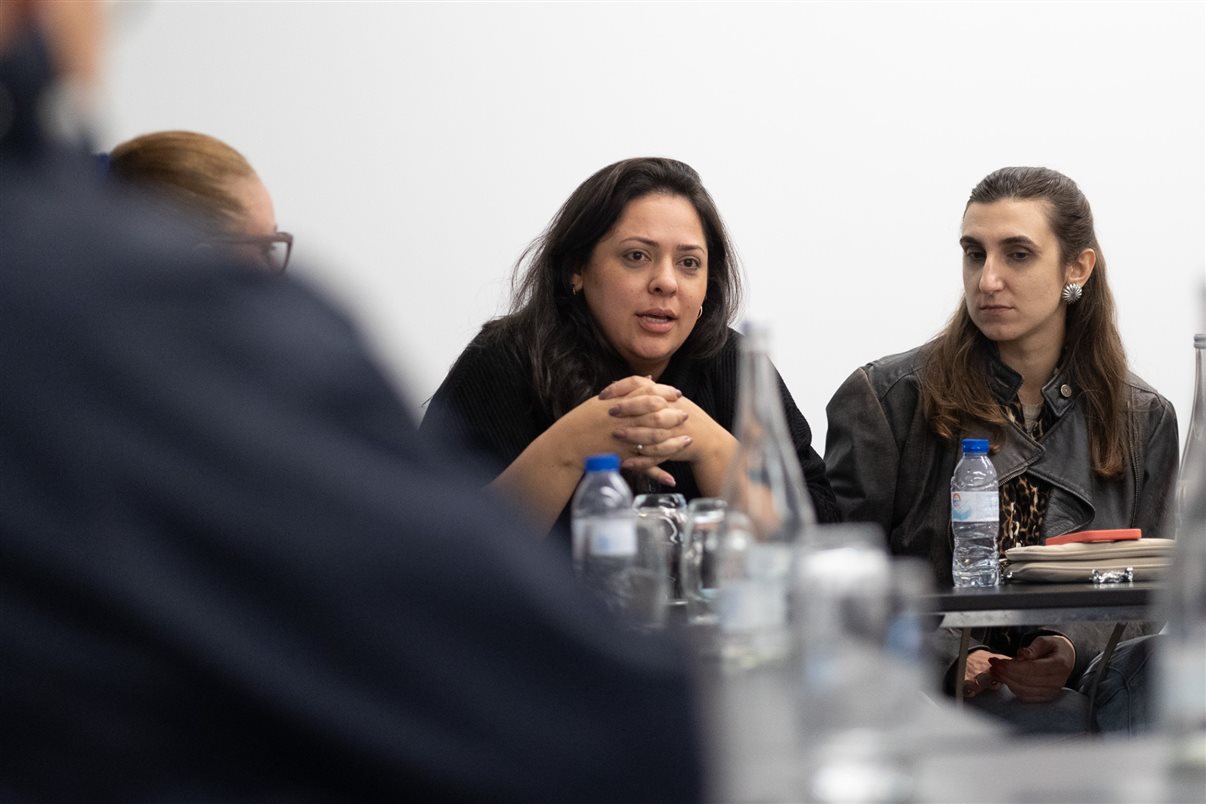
(625, 571)
(975, 512)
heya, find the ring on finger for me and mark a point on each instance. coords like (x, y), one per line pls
(640, 449)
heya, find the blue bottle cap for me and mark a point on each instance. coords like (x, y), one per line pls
(607, 462)
(975, 446)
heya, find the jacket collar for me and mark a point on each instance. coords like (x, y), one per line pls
(1060, 391)
(1004, 383)
(1071, 475)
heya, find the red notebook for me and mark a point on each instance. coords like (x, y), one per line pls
(1117, 535)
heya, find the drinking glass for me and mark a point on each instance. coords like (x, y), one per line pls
(662, 518)
(863, 672)
(699, 555)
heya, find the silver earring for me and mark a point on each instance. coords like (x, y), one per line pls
(700, 313)
(1072, 293)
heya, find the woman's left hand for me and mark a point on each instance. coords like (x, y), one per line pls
(648, 424)
(696, 438)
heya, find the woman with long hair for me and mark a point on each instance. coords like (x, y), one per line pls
(618, 340)
(1032, 360)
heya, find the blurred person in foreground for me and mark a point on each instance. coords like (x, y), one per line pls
(211, 182)
(229, 569)
(1031, 359)
(618, 340)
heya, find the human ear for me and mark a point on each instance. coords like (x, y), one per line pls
(1080, 269)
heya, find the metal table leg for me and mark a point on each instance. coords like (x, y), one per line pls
(961, 664)
(1102, 666)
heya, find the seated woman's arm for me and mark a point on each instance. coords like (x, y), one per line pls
(712, 447)
(486, 408)
(1158, 466)
(824, 501)
(861, 455)
(544, 475)
(486, 401)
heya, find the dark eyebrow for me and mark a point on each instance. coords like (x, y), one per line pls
(654, 244)
(1016, 240)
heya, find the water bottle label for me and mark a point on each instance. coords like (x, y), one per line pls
(616, 537)
(975, 506)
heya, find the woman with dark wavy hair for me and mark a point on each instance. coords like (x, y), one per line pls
(1033, 361)
(618, 340)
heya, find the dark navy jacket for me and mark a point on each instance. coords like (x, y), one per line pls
(230, 569)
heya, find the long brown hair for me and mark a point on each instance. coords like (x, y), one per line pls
(954, 391)
(196, 171)
(552, 327)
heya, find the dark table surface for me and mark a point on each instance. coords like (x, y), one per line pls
(1022, 596)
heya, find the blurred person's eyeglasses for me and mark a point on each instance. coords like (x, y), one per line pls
(272, 249)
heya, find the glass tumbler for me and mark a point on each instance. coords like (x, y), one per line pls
(701, 543)
(663, 518)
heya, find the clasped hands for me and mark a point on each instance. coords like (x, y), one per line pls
(650, 423)
(1035, 675)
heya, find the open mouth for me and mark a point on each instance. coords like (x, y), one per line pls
(657, 321)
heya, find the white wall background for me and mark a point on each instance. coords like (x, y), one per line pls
(415, 149)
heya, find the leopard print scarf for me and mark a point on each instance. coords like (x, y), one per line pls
(1024, 498)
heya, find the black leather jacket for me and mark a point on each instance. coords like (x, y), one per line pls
(887, 466)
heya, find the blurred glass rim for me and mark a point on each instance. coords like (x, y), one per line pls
(669, 501)
(707, 504)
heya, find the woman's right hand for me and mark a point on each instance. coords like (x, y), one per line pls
(1040, 670)
(605, 424)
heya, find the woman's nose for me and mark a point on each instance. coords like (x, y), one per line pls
(990, 277)
(663, 282)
